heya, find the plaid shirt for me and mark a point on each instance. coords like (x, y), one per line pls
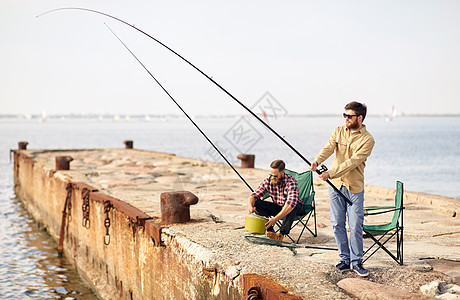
(285, 193)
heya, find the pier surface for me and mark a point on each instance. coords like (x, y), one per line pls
(215, 239)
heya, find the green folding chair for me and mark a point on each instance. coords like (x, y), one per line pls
(386, 232)
(307, 194)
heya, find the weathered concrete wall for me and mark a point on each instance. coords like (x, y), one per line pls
(134, 265)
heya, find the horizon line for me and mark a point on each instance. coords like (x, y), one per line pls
(144, 115)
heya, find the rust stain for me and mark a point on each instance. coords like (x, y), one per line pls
(266, 288)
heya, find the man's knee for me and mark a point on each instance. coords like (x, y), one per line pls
(262, 208)
(259, 203)
(338, 220)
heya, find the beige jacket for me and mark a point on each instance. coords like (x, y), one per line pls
(351, 151)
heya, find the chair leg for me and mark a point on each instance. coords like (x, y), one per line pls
(294, 225)
(397, 258)
(300, 235)
(400, 245)
(314, 216)
(304, 223)
(376, 243)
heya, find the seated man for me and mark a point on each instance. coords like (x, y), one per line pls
(286, 205)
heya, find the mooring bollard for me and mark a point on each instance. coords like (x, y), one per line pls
(247, 160)
(128, 144)
(63, 162)
(22, 145)
(175, 206)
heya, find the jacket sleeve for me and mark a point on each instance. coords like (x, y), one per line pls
(328, 149)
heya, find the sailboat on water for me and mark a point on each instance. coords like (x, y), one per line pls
(392, 115)
(43, 117)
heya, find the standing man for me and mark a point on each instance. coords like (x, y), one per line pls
(286, 205)
(352, 145)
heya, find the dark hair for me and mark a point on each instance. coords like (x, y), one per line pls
(278, 164)
(359, 108)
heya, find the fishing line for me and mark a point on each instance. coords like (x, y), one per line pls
(171, 97)
(212, 80)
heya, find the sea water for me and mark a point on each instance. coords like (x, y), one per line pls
(423, 152)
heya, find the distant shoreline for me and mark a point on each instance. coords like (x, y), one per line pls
(174, 116)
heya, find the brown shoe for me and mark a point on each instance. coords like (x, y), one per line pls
(275, 236)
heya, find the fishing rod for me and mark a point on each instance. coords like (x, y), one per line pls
(319, 171)
(267, 241)
(171, 97)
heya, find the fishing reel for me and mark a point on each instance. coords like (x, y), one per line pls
(321, 169)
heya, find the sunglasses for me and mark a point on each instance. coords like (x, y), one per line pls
(349, 116)
(276, 176)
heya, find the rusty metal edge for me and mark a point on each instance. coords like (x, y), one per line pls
(82, 185)
(129, 210)
(267, 288)
(22, 153)
(118, 204)
(152, 228)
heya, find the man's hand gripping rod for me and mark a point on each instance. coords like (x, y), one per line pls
(323, 169)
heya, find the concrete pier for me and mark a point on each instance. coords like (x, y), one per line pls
(114, 234)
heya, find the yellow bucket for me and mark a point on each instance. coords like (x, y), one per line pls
(255, 223)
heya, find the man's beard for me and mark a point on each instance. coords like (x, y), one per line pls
(275, 181)
(353, 125)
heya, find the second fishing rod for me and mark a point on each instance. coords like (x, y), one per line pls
(180, 107)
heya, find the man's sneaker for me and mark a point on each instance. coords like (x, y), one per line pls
(275, 236)
(358, 269)
(343, 266)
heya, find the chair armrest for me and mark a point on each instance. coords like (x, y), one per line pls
(377, 207)
(377, 210)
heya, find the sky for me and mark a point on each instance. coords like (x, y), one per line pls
(312, 57)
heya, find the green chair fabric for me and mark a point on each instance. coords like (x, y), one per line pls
(307, 194)
(385, 232)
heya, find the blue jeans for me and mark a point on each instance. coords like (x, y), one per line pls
(349, 252)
